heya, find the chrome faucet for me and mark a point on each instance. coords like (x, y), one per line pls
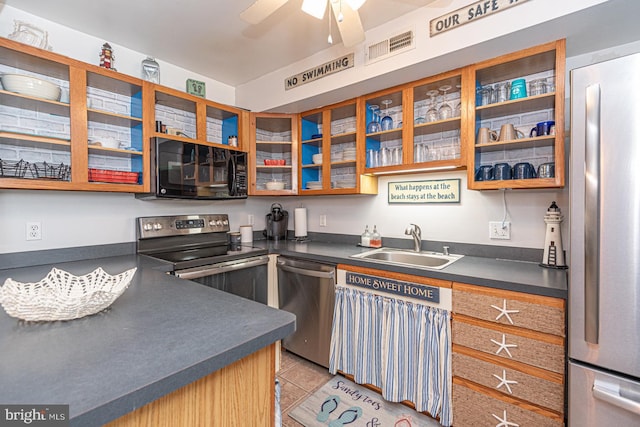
(416, 233)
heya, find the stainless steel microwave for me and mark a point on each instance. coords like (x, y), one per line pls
(184, 170)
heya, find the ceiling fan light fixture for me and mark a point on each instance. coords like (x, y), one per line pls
(314, 8)
(355, 4)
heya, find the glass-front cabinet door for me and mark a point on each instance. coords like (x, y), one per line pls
(314, 152)
(436, 140)
(114, 129)
(273, 156)
(331, 147)
(35, 134)
(384, 116)
(518, 120)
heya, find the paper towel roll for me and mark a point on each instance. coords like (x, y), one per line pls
(300, 222)
(246, 233)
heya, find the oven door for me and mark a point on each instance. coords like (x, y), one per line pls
(247, 277)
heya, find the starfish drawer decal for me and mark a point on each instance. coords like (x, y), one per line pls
(502, 345)
(504, 312)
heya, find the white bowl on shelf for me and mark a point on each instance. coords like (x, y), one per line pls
(275, 185)
(317, 159)
(31, 86)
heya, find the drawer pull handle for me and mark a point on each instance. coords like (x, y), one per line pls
(504, 312)
(502, 422)
(504, 346)
(504, 381)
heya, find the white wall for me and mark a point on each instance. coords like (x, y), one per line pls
(71, 219)
(86, 48)
(509, 30)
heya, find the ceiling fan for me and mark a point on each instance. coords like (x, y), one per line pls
(345, 12)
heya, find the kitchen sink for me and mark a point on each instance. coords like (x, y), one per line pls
(408, 258)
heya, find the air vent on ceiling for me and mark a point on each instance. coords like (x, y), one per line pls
(389, 47)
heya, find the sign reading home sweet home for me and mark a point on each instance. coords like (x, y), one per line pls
(319, 72)
(397, 287)
(470, 13)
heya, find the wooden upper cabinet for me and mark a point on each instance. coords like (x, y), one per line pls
(542, 70)
(331, 151)
(273, 154)
(189, 118)
(90, 138)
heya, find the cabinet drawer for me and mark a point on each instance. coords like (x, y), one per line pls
(472, 408)
(511, 382)
(546, 352)
(538, 313)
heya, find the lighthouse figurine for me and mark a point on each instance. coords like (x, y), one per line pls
(553, 252)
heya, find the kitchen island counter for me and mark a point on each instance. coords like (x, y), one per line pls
(160, 335)
(519, 276)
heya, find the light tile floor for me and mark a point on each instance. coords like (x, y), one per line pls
(298, 378)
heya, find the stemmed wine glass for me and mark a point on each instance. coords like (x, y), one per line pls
(387, 121)
(445, 112)
(374, 125)
(432, 113)
(459, 104)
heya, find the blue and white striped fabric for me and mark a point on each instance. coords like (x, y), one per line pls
(357, 336)
(401, 347)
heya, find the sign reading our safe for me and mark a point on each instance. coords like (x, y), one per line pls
(319, 72)
(433, 191)
(408, 289)
(473, 12)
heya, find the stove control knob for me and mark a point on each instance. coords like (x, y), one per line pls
(225, 222)
(157, 226)
(147, 227)
(218, 223)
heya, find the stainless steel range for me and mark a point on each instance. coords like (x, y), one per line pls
(196, 247)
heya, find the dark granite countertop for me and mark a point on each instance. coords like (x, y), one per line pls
(161, 334)
(505, 274)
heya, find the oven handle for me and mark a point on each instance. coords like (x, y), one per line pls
(305, 272)
(222, 268)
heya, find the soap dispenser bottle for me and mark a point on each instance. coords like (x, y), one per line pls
(365, 238)
(376, 239)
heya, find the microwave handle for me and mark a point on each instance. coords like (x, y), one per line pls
(231, 175)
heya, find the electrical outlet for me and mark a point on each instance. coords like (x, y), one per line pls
(500, 230)
(34, 231)
(323, 220)
(250, 219)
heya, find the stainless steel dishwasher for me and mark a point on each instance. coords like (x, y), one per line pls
(307, 289)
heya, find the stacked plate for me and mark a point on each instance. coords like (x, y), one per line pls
(336, 156)
(349, 154)
(314, 185)
(344, 184)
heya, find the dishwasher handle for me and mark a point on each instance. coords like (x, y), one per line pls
(306, 272)
(222, 268)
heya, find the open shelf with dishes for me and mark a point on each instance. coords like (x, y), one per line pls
(54, 126)
(274, 154)
(518, 120)
(188, 118)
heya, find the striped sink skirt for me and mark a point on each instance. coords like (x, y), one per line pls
(401, 347)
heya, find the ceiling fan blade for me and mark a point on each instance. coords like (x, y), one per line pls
(351, 30)
(260, 10)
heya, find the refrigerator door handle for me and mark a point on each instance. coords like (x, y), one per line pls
(592, 216)
(611, 393)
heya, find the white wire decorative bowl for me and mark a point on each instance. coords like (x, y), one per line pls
(62, 295)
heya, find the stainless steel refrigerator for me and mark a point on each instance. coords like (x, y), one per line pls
(604, 278)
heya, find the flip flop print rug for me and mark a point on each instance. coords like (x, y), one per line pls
(341, 402)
